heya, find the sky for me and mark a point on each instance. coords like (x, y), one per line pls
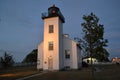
(21, 26)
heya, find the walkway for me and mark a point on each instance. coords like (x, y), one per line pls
(32, 75)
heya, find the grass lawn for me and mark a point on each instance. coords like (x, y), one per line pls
(17, 72)
(106, 72)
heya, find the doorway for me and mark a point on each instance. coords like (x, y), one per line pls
(50, 63)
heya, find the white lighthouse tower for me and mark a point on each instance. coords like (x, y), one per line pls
(53, 31)
(55, 52)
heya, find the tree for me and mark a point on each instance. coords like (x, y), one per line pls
(31, 57)
(6, 60)
(93, 37)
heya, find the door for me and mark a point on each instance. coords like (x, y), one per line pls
(50, 63)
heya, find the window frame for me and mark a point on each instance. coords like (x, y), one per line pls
(67, 54)
(50, 46)
(51, 28)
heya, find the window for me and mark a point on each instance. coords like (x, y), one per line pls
(67, 54)
(50, 45)
(51, 28)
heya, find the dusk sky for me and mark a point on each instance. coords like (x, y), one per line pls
(21, 26)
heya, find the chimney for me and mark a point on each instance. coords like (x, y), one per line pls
(66, 35)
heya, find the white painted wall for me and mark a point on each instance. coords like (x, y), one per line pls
(61, 58)
(57, 41)
(79, 57)
(67, 46)
(40, 56)
(74, 55)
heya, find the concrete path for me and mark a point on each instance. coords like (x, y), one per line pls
(33, 75)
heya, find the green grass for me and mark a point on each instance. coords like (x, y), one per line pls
(107, 72)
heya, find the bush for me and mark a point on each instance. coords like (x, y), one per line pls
(6, 60)
(84, 64)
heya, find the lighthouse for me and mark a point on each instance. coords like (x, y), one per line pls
(57, 51)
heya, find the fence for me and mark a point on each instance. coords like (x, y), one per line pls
(25, 64)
